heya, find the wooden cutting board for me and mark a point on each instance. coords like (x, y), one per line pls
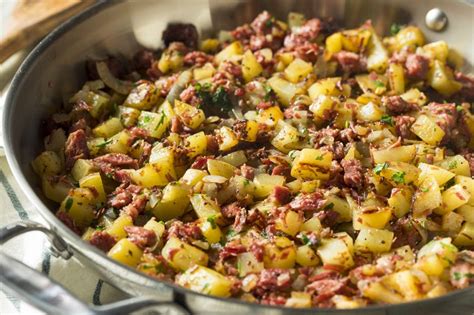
(31, 20)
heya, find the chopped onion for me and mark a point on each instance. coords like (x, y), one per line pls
(119, 86)
(93, 85)
(178, 87)
(214, 179)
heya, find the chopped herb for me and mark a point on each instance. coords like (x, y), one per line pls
(268, 93)
(212, 221)
(395, 28)
(146, 119)
(269, 23)
(380, 167)
(100, 228)
(214, 104)
(231, 233)
(204, 288)
(305, 239)
(452, 165)
(457, 276)
(291, 154)
(162, 120)
(379, 84)
(459, 108)
(68, 205)
(399, 177)
(103, 144)
(319, 158)
(329, 206)
(387, 119)
(246, 182)
(239, 266)
(424, 189)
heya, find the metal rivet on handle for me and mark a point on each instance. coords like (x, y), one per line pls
(436, 19)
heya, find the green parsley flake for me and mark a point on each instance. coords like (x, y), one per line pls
(329, 206)
(380, 167)
(387, 119)
(103, 144)
(162, 120)
(452, 165)
(379, 84)
(395, 28)
(68, 205)
(212, 221)
(399, 177)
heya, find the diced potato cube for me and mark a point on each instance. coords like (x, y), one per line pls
(344, 302)
(372, 217)
(183, 256)
(451, 222)
(323, 105)
(151, 175)
(250, 66)
(54, 188)
(128, 116)
(80, 206)
(369, 112)
(341, 206)
(456, 164)
(374, 240)
(306, 257)
(404, 153)
(467, 212)
(432, 265)
(220, 168)
(290, 224)
(437, 50)
(117, 228)
(284, 90)
(334, 43)
(440, 174)
(312, 225)
(396, 78)
(144, 96)
(279, 254)
(405, 283)
(205, 280)
(312, 164)
(377, 58)
(467, 184)
(191, 116)
(441, 79)
(116, 144)
(226, 138)
(234, 49)
(409, 36)
(335, 251)
(400, 200)
(174, 202)
(355, 40)
(205, 72)
(425, 128)
(192, 176)
(155, 123)
(400, 173)
(211, 230)
(47, 163)
(205, 207)
(325, 86)
(236, 158)
(441, 247)
(452, 198)
(82, 168)
(379, 293)
(270, 116)
(265, 183)
(297, 70)
(94, 183)
(247, 263)
(196, 144)
(427, 197)
(126, 252)
(287, 138)
(414, 96)
(465, 237)
(299, 300)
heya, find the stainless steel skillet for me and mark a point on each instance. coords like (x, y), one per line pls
(54, 70)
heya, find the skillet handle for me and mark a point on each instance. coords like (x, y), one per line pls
(47, 295)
